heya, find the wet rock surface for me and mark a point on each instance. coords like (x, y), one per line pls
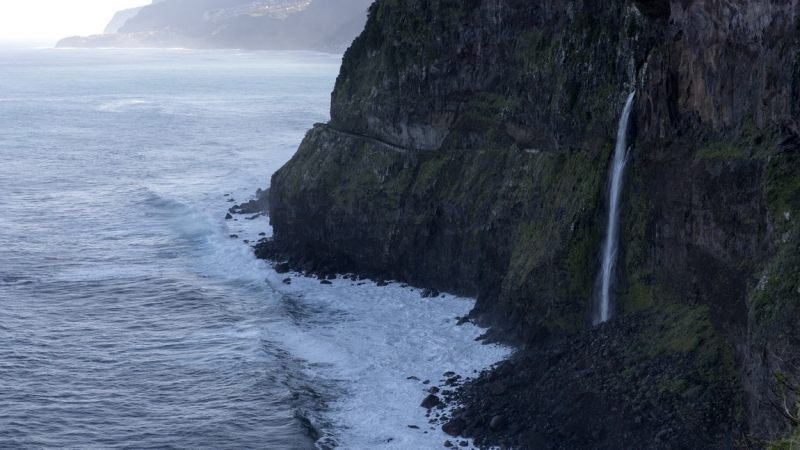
(258, 206)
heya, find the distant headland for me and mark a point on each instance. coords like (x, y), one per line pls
(323, 25)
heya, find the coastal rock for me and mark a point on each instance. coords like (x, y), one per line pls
(431, 401)
(497, 423)
(257, 206)
(454, 427)
(473, 160)
(429, 293)
(499, 387)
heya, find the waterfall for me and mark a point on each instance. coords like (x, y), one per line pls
(603, 306)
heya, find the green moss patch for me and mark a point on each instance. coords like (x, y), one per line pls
(750, 142)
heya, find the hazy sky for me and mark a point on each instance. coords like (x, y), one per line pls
(50, 20)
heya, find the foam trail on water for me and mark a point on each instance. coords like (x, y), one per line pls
(603, 308)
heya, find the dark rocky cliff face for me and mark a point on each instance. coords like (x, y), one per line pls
(468, 151)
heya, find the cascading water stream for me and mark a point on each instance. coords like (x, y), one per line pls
(603, 308)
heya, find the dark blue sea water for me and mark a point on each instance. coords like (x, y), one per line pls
(129, 318)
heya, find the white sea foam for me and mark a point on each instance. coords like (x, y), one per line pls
(121, 255)
(370, 340)
(121, 105)
(359, 343)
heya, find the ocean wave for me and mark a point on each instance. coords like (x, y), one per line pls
(122, 105)
(361, 337)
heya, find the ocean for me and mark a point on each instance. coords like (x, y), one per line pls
(129, 316)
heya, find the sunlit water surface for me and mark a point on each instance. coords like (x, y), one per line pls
(129, 318)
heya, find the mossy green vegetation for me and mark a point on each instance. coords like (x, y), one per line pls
(407, 52)
(676, 332)
(554, 254)
(791, 442)
(538, 49)
(513, 117)
(688, 330)
(637, 289)
(777, 295)
(782, 189)
(750, 142)
(549, 201)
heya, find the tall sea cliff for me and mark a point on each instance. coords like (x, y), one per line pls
(468, 151)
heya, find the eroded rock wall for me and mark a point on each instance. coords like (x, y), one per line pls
(469, 143)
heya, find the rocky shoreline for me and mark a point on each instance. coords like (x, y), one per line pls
(506, 113)
(658, 379)
(620, 385)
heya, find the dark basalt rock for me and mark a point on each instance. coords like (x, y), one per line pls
(258, 206)
(655, 9)
(497, 423)
(564, 395)
(429, 293)
(430, 401)
(473, 160)
(454, 427)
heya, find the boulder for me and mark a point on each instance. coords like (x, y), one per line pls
(455, 426)
(430, 401)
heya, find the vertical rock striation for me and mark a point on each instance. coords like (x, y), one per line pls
(468, 148)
